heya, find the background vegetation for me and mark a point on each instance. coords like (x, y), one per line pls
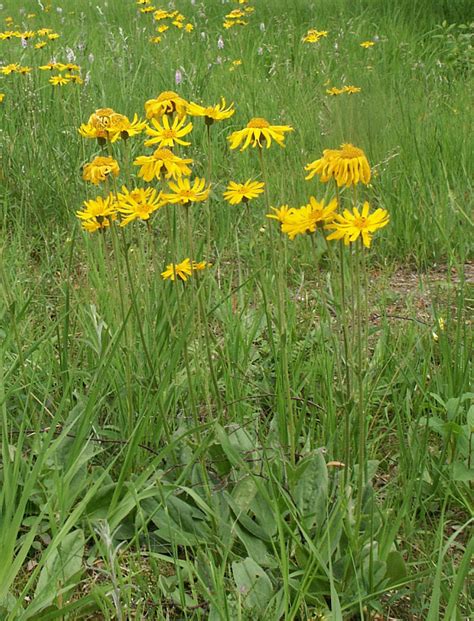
(146, 471)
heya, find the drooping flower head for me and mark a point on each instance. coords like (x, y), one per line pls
(167, 103)
(350, 226)
(183, 270)
(163, 162)
(243, 192)
(219, 112)
(259, 133)
(183, 192)
(99, 169)
(167, 136)
(98, 213)
(347, 165)
(138, 204)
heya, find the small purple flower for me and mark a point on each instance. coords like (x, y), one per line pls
(178, 77)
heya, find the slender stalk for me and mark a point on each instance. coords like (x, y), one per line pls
(347, 358)
(362, 470)
(286, 422)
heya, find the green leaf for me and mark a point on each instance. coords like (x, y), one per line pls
(253, 585)
(62, 564)
(396, 568)
(312, 491)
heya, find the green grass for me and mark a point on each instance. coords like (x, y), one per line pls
(174, 451)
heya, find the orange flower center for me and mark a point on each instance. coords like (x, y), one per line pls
(168, 133)
(360, 223)
(163, 154)
(350, 152)
(258, 123)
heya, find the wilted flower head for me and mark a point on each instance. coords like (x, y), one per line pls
(259, 133)
(347, 165)
(167, 103)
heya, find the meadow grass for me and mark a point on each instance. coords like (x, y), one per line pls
(221, 448)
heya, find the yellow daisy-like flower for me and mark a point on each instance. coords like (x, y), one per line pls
(76, 79)
(367, 44)
(259, 130)
(350, 90)
(166, 135)
(52, 36)
(234, 22)
(154, 39)
(162, 162)
(98, 213)
(243, 192)
(219, 112)
(184, 192)
(281, 213)
(99, 169)
(40, 45)
(2, 97)
(122, 127)
(106, 124)
(313, 35)
(183, 270)
(306, 218)
(138, 204)
(42, 32)
(168, 103)
(347, 165)
(58, 80)
(350, 226)
(11, 68)
(189, 27)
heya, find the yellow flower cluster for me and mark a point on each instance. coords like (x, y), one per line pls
(349, 90)
(166, 19)
(237, 17)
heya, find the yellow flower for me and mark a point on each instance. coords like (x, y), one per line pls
(160, 14)
(347, 165)
(50, 66)
(243, 192)
(24, 70)
(183, 270)
(155, 39)
(306, 218)
(28, 34)
(235, 22)
(235, 14)
(184, 192)
(11, 68)
(42, 32)
(162, 28)
(281, 213)
(122, 127)
(235, 64)
(58, 80)
(345, 89)
(98, 213)
(162, 162)
(52, 36)
(99, 169)
(367, 44)
(138, 204)
(166, 136)
(106, 124)
(167, 102)
(212, 113)
(40, 45)
(2, 97)
(350, 226)
(75, 78)
(259, 130)
(189, 28)
(313, 35)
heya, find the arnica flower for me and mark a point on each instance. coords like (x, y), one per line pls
(184, 192)
(138, 204)
(367, 44)
(259, 130)
(58, 80)
(313, 35)
(234, 22)
(168, 103)
(2, 97)
(243, 192)
(219, 112)
(350, 226)
(350, 90)
(281, 213)
(98, 213)
(11, 68)
(106, 124)
(183, 270)
(163, 162)
(347, 165)
(40, 45)
(305, 219)
(166, 135)
(99, 169)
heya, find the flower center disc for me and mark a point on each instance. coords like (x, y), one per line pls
(258, 123)
(348, 151)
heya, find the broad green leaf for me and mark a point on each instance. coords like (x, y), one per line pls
(253, 585)
(312, 491)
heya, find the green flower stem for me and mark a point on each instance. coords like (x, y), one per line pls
(287, 418)
(347, 358)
